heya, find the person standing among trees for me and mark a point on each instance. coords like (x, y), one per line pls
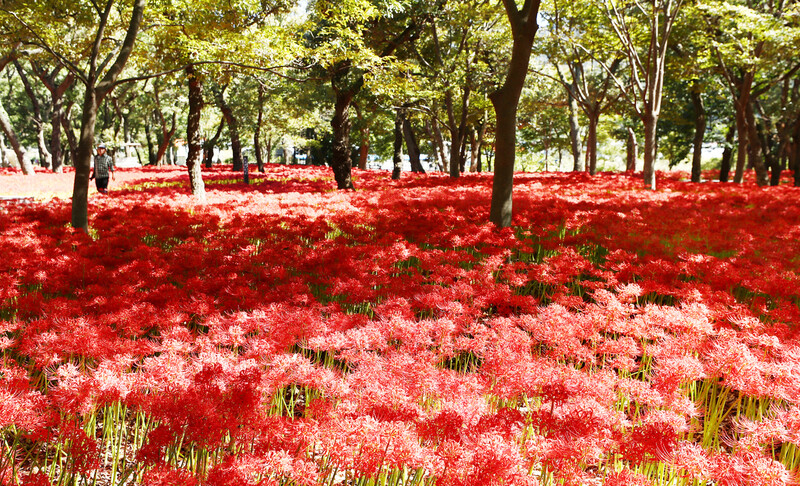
(103, 168)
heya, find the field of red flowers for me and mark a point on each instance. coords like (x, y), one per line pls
(285, 333)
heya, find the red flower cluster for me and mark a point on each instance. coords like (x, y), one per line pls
(284, 332)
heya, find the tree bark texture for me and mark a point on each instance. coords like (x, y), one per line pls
(438, 142)
(632, 152)
(257, 132)
(340, 159)
(209, 144)
(80, 190)
(412, 146)
(742, 130)
(505, 101)
(755, 149)
(233, 129)
(194, 159)
(397, 147)
(166, 139)
(574, 130)
(96, 90)
(363, 149)
(650, 121)
(727, 154)
(591, 142)
(45, 159)
(72, 141)
(699, 134)
(11, 135)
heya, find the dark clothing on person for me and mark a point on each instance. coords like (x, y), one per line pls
(102, 183)
(103, 167)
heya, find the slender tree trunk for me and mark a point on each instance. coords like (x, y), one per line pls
(505, 145)
(148, 134)
(165, 141)
(650, 121)
(632, 152)
(3, 156)
(340, 160)
(80, 191)
(591, 141)
(72, 141)
(45, 159)
(474, 150)
(257, 133)
(412, 146)
(269, 149)
(727, 154)
(574, 129)
(742, 130)
(363, 149)
(699, 134)
(455, 137)
(505, 101)
(397, 148)
(795, 152)
(233, 129)
(55, 134)
(8, 130)
(209, 144)
(755, 149)
(438, 142)
(772, 157)
(194, 159)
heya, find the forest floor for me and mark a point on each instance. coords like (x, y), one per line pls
(287, 333)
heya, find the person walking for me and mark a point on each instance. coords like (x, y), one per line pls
(103, 168)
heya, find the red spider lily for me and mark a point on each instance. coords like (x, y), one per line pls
(284, 332)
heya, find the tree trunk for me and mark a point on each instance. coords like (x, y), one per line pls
(591, 141)
(45, 159)
(66, 124)
(96, 90)
(209, 144)
(412, 146)
(474, 150)
(650, 121)
(83, 162)
(257, 132)
(8, 130)
(194, 159)
(772, 156)
(3, 158)
(727, 154)
(795, 152)
(397, 148)
(57, 91)
(505, 101)
(233, 129)
(458, 130)
(166, 140)
(363, 149)
(743, 131)
(632, 152)
(755, 149)
(340, 159)
(699, 134)
(574, 130)
(505, 145)
(55, 134)
(148, 134)
(438, 142)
